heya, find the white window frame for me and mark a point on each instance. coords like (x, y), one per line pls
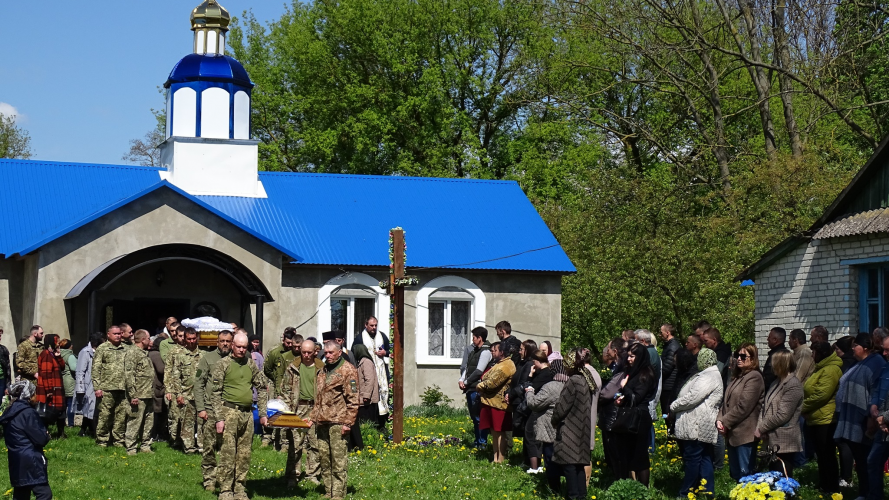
(477, 313)
(324, 312)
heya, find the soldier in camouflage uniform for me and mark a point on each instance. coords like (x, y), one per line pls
(139, 372)
(185, 367)
(126, 335)
(299, 394)
(28, 351)
(173, 409)
(275, 363)
(232, 380)
(336, 406)
(210, 439)
(110, 385)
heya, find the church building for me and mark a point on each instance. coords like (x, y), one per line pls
(85, 246)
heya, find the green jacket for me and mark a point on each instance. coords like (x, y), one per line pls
(139, 374)
(165, 347)
(819, 393)
(68, 371)
(108, 369)
(275, 365)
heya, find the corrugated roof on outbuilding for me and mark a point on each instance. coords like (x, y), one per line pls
(871, 221)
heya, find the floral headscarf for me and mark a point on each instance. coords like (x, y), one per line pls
(706, 359)
(570, 363)
(23, 390)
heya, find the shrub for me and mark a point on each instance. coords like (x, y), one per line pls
(433, 397)
(627, 489)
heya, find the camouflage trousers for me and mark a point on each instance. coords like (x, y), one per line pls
(212, 443)
(173, 412)
(234, 454)
(140, 420)
(301, 442)
(334, 455)
(189, 427)
(111, 421)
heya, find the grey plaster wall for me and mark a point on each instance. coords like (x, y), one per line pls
(809, 287)
(530, 302)
(11, 306)
(162, 217)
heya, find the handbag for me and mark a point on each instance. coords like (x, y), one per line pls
(628, 419)
(47, 413)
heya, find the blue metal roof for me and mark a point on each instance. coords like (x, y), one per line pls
(319, 219)
(208, 67)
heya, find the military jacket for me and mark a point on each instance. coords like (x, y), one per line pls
(185, 367)
(201, 396)
(108, 367)
(216, 387)
(139, 373)
(336, 394)
(27, 358)
(290, 385)
(169, 361)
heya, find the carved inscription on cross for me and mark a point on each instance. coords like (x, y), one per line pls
(397, 282)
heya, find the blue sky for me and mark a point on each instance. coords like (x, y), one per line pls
(84, 79)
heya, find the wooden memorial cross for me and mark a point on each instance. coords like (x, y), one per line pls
(395, 286)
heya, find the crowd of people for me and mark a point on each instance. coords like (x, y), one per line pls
(811, 400)
(132, 389)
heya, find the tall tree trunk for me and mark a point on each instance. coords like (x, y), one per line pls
(782, 57)
(720, 149)
(757, 73)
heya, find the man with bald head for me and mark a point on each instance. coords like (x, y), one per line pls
(298, 391)
(232, 380)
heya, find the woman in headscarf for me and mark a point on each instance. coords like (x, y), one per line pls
(546, 347)
(571, 419)
(25, 436)
(541, 374)
(638, 388)
(696, 407)
(50, 387)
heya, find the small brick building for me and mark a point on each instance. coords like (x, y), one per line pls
(836, 273)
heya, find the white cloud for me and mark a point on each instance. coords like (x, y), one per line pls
(9, 110)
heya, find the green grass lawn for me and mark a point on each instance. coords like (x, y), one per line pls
(78, 470)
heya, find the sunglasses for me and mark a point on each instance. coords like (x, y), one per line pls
(742, 357)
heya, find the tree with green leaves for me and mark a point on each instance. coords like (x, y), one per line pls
(14, 140)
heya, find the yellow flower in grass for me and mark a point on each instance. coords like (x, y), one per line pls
(836, 496)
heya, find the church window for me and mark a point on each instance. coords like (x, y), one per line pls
(242, 115)
(184, 112)
(448, 308)
(214, 113)
(350, 305)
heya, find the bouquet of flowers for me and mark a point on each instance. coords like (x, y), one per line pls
(765, 486)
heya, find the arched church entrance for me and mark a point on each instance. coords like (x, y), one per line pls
(186, 281)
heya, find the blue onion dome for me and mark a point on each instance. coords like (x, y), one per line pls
(209, 68)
